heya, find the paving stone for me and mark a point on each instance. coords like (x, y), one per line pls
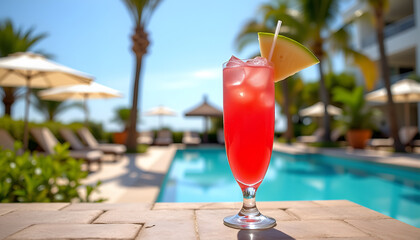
(336, 203)
(345, 238)
(4, 211)
(210, 224)
(18, 220)
(36, 217)
(387, 229)
(160, 223)
(236, 205)
(286, 204)
(108, 206)
(335, 213)
(8, 228)
(215, 205)
(78, 231)
(126, 216)
(318, 229)
(33, 206)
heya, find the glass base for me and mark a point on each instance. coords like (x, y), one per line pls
(241, 221)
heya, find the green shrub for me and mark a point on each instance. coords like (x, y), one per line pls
(177, 137)
(37, 178)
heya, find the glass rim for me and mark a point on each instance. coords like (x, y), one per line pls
(270, 64)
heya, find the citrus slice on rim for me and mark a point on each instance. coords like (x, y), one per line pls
(289, 56)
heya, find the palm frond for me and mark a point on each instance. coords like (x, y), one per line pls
(141, 10)
(248, 34)
(367, 67)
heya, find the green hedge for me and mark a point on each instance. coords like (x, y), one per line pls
(37, 178)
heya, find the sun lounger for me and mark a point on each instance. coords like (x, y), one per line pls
(319, 134)
(191, 138)
(406, 135)
(164, 137)
(115, 149)
(315, 137)
(415, 144)
(146, 138)
(47, 141)
(71, 138)
(220, 136)
(7, 141)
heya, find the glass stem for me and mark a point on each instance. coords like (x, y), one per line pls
(249, 207)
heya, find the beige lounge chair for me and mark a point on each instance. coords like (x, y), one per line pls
(191, 138)
(164, 137)
(71, 138)
(146, 138)
(117, 150)
(415, 144)
(406, 135)
(47, 141)
(315, 137)
(7, 141)
(319, 134)
(220, 136)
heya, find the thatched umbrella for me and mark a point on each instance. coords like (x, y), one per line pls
(205, 110)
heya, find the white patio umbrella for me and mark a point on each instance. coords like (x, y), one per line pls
(80, 92)
(35, 71)
(317, 110)
(160, 111)
(404, 91)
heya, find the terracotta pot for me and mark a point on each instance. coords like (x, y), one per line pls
(357, 138)
(120, 137)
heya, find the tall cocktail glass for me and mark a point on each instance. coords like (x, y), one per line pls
(248, 115)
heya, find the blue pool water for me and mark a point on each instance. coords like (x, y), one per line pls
(203, 175)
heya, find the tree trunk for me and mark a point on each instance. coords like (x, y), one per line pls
(325, 99)
(8, 100)
(379, 15)
(286, 96)
(132, 125)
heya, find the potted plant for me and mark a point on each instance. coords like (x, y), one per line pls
(357, 118)
(122, 116)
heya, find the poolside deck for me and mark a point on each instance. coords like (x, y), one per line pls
(138, 177)
(295, 220)
(132, 186)
(399, 160)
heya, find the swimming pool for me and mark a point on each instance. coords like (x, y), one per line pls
(203, 175)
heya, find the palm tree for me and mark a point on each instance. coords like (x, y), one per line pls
(286, 95)
(378, 7)
(50, 109)
(15, 40)
(141, 11)
(309, 22)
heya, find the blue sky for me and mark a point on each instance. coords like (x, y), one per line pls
(189, 42)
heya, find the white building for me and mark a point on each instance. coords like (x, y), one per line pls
(402, 42)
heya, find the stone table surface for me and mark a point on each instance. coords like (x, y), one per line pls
(336, 219)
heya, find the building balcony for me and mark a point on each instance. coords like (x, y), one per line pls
(390, 30)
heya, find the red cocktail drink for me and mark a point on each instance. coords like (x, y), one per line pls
(248, 106)
(248, 115)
